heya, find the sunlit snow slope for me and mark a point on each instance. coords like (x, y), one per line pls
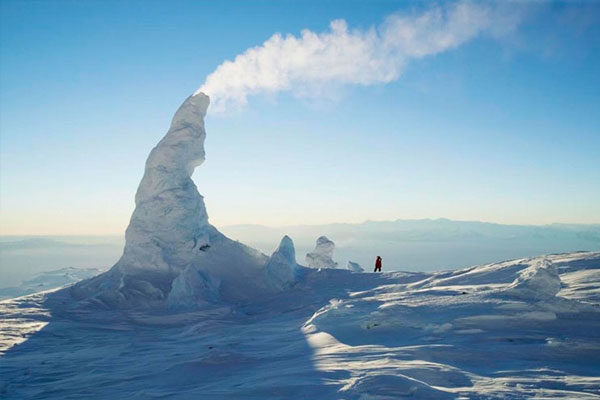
(512, 330)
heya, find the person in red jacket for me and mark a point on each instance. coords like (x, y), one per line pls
(377, 264)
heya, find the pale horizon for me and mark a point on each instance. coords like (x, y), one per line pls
(283, 226)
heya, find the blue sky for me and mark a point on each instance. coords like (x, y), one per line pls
(497, 129)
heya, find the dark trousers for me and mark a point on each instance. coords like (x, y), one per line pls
(377, 269)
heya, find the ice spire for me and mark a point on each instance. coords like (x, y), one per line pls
(281, 269)
(170, 225)
(172, 255)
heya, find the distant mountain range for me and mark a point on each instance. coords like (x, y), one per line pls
(412, 245)
(426, 244)
(22, 257)
(429, 230)
(49, 280)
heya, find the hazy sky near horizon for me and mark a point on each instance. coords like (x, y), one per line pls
(497, 128)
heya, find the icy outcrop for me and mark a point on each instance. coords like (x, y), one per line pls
(172, 254)
(539, 281)
(354, 267)
(170, 225)
(321, 256)
(238, 267)
(193, 288)
(282, 270)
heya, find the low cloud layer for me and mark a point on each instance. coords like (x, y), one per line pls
(341, 56)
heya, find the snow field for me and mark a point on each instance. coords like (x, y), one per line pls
(476, 333)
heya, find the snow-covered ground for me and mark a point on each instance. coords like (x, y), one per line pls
(511, 330)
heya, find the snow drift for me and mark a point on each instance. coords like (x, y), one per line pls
(539, 281)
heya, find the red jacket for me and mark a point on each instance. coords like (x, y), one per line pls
(378, 263)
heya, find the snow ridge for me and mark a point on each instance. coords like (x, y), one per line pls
(539, 281)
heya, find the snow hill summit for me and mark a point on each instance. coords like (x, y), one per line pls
(173, 257)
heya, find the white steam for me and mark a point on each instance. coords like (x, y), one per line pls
(308, 63)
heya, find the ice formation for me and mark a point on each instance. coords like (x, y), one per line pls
(192, 288)
(172, 252)
(169, 225)
(281, 269)
(354, 267)
(321, 256)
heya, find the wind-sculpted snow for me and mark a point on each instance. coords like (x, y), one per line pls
(539, 281)
(455, 334)
(334, 334)
(322, 255)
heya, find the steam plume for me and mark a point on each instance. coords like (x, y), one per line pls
(341, 56)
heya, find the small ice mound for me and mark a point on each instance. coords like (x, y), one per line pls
(282, 270)
(354, 267)
(191, 289)
(392, 387)
(538, 281)
(322, 255)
